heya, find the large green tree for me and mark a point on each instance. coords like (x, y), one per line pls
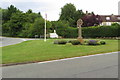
(7, 13)
(70, 14)
(15, 25)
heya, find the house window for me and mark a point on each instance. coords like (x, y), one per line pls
(107, 18)
(118, 18)
(97, 19)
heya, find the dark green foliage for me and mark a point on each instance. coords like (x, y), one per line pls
(102, 42)
(60, 42)
(101, 31)
(63, 29)
(15, 23)
(8, 13)
(75, 42)
(18, 24)
(69, 41)
(70, 14)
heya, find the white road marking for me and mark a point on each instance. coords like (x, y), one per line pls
(78, 57)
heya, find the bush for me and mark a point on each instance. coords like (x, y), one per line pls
(56, 42)
(60, 42)
(69, 41)
(92, 42)
(102, 42)
(75, 42)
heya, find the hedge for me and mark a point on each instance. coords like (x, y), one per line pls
(90, 32)
(67, 32)
(101, 31)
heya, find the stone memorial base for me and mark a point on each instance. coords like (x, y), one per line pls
(80, 39)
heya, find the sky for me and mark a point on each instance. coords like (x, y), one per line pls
(53, 7)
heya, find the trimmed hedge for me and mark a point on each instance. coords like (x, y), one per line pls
(67, 32)
(101, 31)
(90, 32)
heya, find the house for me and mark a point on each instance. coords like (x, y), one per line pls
(109, 19)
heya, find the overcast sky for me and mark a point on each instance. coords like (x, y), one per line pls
(53, 7)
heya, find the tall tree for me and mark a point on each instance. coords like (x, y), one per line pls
(29, 11)
(78, 14)
(68, 13)
(8, 12)
(15, 25)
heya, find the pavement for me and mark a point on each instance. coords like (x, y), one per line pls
(95, 66)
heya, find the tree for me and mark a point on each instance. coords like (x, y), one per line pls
(32, 16)
(91, 20)
(78, 15)
(7, 13)
(38, 27)
(68, 13)
(29, 11)
(15, 25)
(27, 30)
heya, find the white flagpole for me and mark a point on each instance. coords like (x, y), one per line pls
(45, 28)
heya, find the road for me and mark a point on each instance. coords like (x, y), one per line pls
(5, 41)
(100, 66)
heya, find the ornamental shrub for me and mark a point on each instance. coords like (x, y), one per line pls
(75, 42)
(56, 42)
(60, 42)
(92, 42)
(102, 42)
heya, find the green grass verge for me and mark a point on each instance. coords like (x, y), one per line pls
(38, 50)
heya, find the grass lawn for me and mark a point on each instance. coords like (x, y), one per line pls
(38, 50)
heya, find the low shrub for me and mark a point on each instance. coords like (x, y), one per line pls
(102, 42)
(93, 42)
(60, 42)
(56, 42)
(75, 42)
(70, 41)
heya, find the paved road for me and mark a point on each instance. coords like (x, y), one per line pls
(102, 66)
(5, 41)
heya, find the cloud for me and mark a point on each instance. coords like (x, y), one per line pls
(53, 7)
